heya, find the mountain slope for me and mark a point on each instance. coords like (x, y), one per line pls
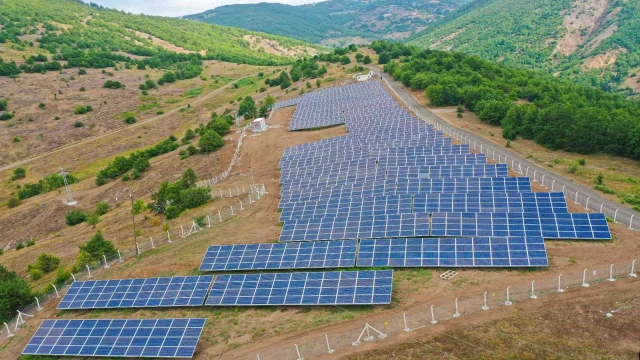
(334, 21)
(65, 24)
(593, 40)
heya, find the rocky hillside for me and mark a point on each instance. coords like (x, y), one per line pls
(592, 40)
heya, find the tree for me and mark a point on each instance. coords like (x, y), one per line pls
(188, 179)
(99, 246)
(13, 202)
(14, 294)
(359, 57)
(247, 108)
(130, 120)
(138, 207)
(45, 263)
(110, 84)
(102, 208)
(220, 126)
(210, 141)
(366, 60)
(269, 100)
(3, 105)
(384, 58)
(318, 83)
(264, 110)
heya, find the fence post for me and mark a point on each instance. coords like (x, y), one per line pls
(106, 263)
(611, 278)
(560, 289)
(38, 303)
(533, 295)
(120, 256)
(56, 290)
(631, 221)
(485, 307)
(219, 216)
(298, 351)
(457, 314)
(576, 201)
(586, 206)
(152, 245)
(404, 317)
(241, 205)
(231, 209)
(615, 215)
(250, 202)
(329, 349)
(9, 334)
(73, 277)
(230, 192)
(433, 318)
(168, 237)
(508, 302)
(89, 270)
(584, 278)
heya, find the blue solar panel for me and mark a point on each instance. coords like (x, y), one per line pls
(303, 288)
(132, 293)
(547, 225)
(175, 338)
(453, 252)
(297, 255)
(388, 226)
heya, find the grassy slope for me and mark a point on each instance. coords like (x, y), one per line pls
(525, 33)
(98, 27)
(330, 19)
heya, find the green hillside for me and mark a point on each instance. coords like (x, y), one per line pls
(334, 19)
(595, 41)
(64, 26)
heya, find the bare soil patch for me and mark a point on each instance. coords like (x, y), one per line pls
(584, 18)
(274, 47)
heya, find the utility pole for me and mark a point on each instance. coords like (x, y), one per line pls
(133, 220)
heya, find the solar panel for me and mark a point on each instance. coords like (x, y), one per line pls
(426, 203)
(175, 338)
(134, 293)
(453, 252)
(297, 255)
(345, 228)
(303, 288)
(548, 225)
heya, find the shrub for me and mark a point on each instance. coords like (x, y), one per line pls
(30, 242)
(6, 116)
(3, 105)
(75, 217)
(83, 259)
(78, 124)
(79, 110)
(135, 174)
(130, 120)
(42, 105)
(138, 207)
(102, 208)
(16, 139)
(159, 112)
(110, 84)
(62, 276)
(82, 89)
(82, 72)
(45, 263)
(35, 274)
(14, 294)
(582, 162)
(98, 247)
(93, 220)
(200, 220)
(19, 173)
(190, 134)
(13, 202)
(210, 141)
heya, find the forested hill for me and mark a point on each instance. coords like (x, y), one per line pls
(64, 26)
(595, 41)
(558, 114)
(334, 22)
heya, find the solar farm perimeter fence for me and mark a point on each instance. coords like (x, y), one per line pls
(246, 198)
(547, 179)
(377, 327)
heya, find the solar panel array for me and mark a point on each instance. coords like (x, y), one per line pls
(303, 288)
(393, 179)
(171, 338)
(132, 293)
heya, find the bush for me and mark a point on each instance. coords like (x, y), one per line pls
(82, 72)
(13, 202)
(190, 134)
(75, 217)
(110, 84)
(172, 212)
(35, 274)
(78, 124)
(6, 116)
(79, 110)
(93, 220)
(30, 242)
(130, 120)
(19, 173)
(582, 162)
(3, 105)
(138, 207)
(16, 139)
(210, 141)
(82, 89)
(98, 247)
(14, 294)
(62, 276)
(45, 263)
(42, 105)
(102, 208)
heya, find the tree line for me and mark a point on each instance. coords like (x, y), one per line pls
(555, 113)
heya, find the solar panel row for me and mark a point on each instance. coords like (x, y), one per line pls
(175, 338)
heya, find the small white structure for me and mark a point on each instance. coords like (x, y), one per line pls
(259, 124)
(364, 77)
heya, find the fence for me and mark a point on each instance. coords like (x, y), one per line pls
(430, 314)
(205, 221)
(577, 193)
(234, 160)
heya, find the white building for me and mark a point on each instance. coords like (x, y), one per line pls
(259, 124)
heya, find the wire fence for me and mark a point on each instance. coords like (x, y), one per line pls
(577, 193)
(234, 160)
(424, 315)
(201, 223)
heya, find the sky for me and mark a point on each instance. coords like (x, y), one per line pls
(179, 7)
